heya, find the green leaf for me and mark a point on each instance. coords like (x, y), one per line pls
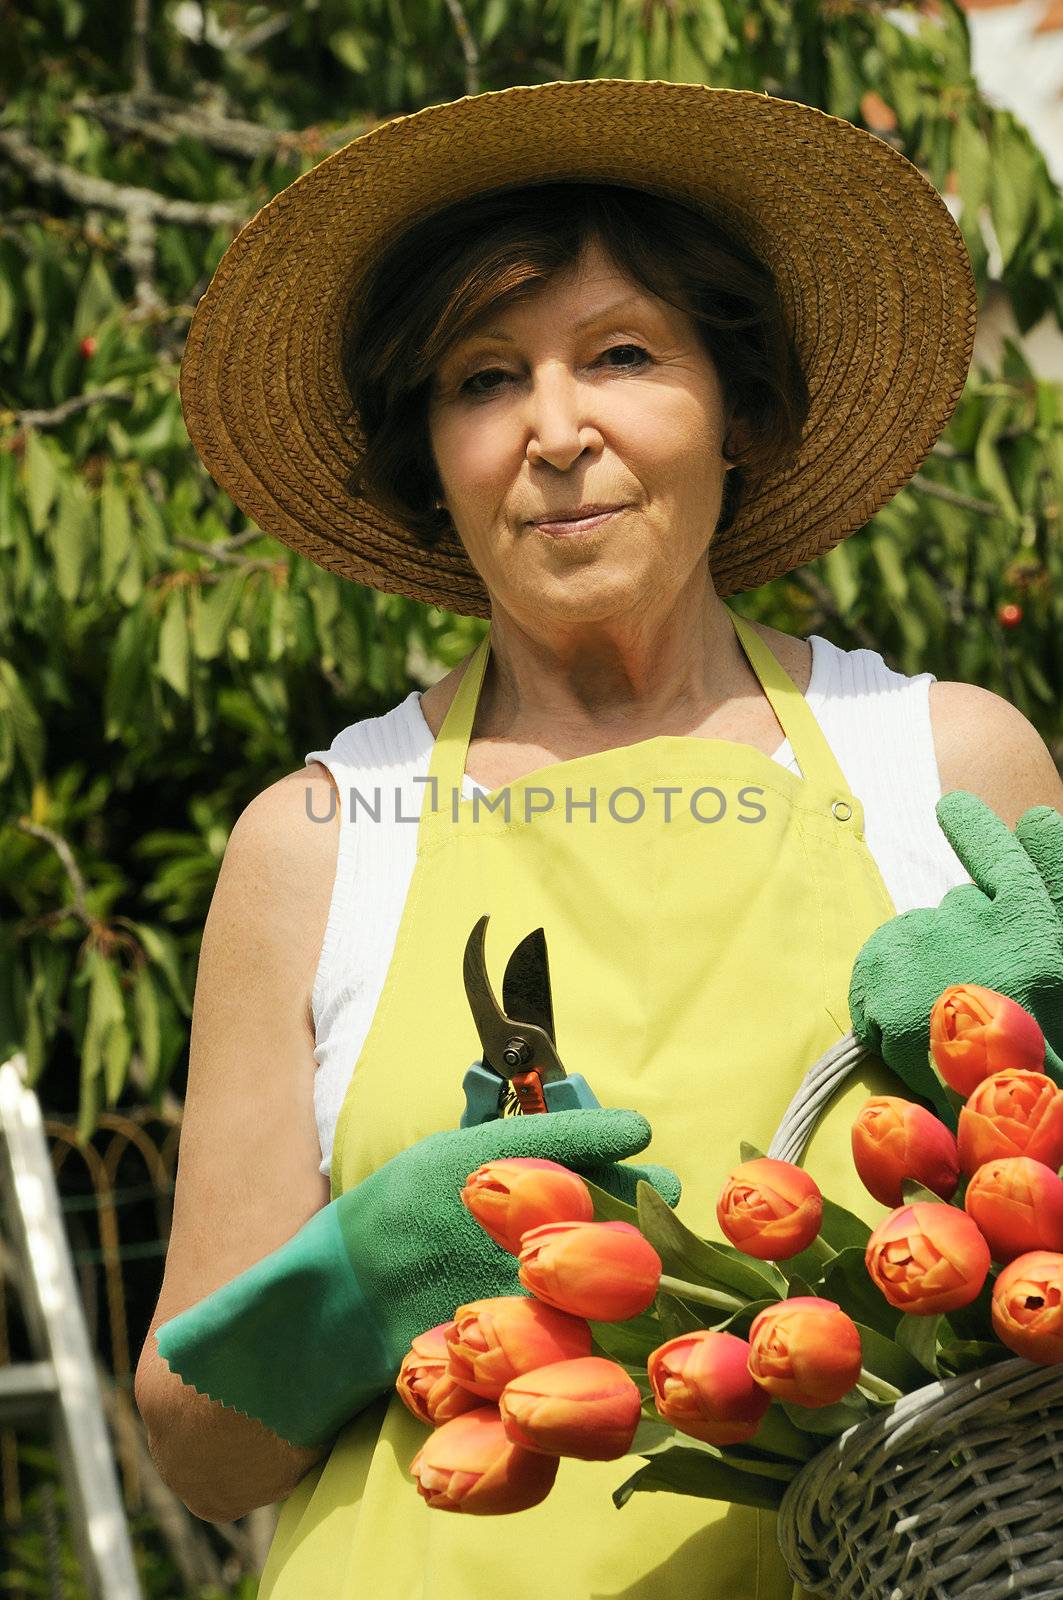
(212, 612)
(889, 1360)
(608, 1208)
(679, 1316)
(173, 644)
(1012, 183)
(42, 479)
(651, 1437)
(696, 1260)
(21, 720)
(117, 1049)
(631, 1342)
(146, 1013)
(841, 1229)
(70, 532)
(162, 949)
(682, 1470)
(914, 1192)
(846, 1281)
(116, 535)
(778, 1434)
(829, 1420)
(970, 1355)
(919, 1336)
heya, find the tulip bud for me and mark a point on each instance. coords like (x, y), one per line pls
(894, 1139)
(927, 1258)
(511, 1195)
(1011, 1113)
(1018, 1206)
(424, 1382)
(805, 1350)
(976, 1031)
(702, 1385)
(1027, 1306)
(469, 1465)
(604, 1270)
(770, 1209)
(492, 1341)
(588, 1408)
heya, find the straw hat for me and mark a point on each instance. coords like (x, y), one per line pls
(873, 273)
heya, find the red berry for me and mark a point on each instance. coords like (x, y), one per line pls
(1009, 616)
(87, 346)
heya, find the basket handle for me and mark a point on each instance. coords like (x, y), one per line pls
(815, 1089)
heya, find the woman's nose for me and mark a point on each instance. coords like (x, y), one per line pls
(559, 425)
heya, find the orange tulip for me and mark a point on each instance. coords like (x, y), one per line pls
(492, 1341)
(1018, 1205)
(603, 1270)
(511, 1195)
(894, 1139)
(805, 1350)
(425, 1384)
(469, 1465)
(588, 1408)
(927, 1258)
(702, 1385)
(1027, 1308)
(975, 1032)
(770, 1209)
(1011, 1113)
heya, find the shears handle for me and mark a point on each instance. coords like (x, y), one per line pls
(482, 1090)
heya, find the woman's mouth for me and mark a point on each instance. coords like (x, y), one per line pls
(561, 530)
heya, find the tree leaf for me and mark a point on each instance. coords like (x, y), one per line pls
(42, 480)
(173, 644)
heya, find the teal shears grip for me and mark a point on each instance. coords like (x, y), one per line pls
(484, 1090)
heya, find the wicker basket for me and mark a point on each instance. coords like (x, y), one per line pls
(956, 1490)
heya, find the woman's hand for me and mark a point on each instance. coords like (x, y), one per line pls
(313, 1333)
(1004, 930)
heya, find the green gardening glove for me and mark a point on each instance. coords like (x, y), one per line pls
(312, 1334)
(1004, 930)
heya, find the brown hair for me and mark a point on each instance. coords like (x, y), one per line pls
(494, 249)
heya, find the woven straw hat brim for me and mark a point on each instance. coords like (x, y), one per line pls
(873, 272)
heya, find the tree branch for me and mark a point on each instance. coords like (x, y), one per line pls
(67, 408)
(125, 198)
(163, 120)
(141, 64)
(468, 46)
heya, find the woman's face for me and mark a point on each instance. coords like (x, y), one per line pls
(569, 399)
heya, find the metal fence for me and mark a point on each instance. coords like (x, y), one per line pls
(116, 1196)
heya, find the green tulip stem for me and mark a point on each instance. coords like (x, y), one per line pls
(697, 1291)
(878, 1386)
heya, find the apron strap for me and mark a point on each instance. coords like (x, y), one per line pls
(814, 755)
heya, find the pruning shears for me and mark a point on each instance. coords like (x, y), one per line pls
(520, 1072)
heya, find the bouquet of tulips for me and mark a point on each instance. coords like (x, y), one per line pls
(727, 1366)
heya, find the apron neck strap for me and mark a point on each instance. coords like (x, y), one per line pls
(814, 756)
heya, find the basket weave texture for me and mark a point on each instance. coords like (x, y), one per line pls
(955, 1490)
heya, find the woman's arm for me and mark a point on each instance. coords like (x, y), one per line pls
(984, 744)
(247, 1177)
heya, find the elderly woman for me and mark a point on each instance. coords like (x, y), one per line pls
(610, 352)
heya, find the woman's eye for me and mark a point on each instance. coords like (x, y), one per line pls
(491, 372)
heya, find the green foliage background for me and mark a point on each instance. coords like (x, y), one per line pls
(161, 661)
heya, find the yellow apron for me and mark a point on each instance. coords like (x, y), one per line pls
(700, 944)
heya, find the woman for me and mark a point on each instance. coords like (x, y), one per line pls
(595, 415)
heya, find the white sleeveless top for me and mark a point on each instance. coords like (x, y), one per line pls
(876, 721)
